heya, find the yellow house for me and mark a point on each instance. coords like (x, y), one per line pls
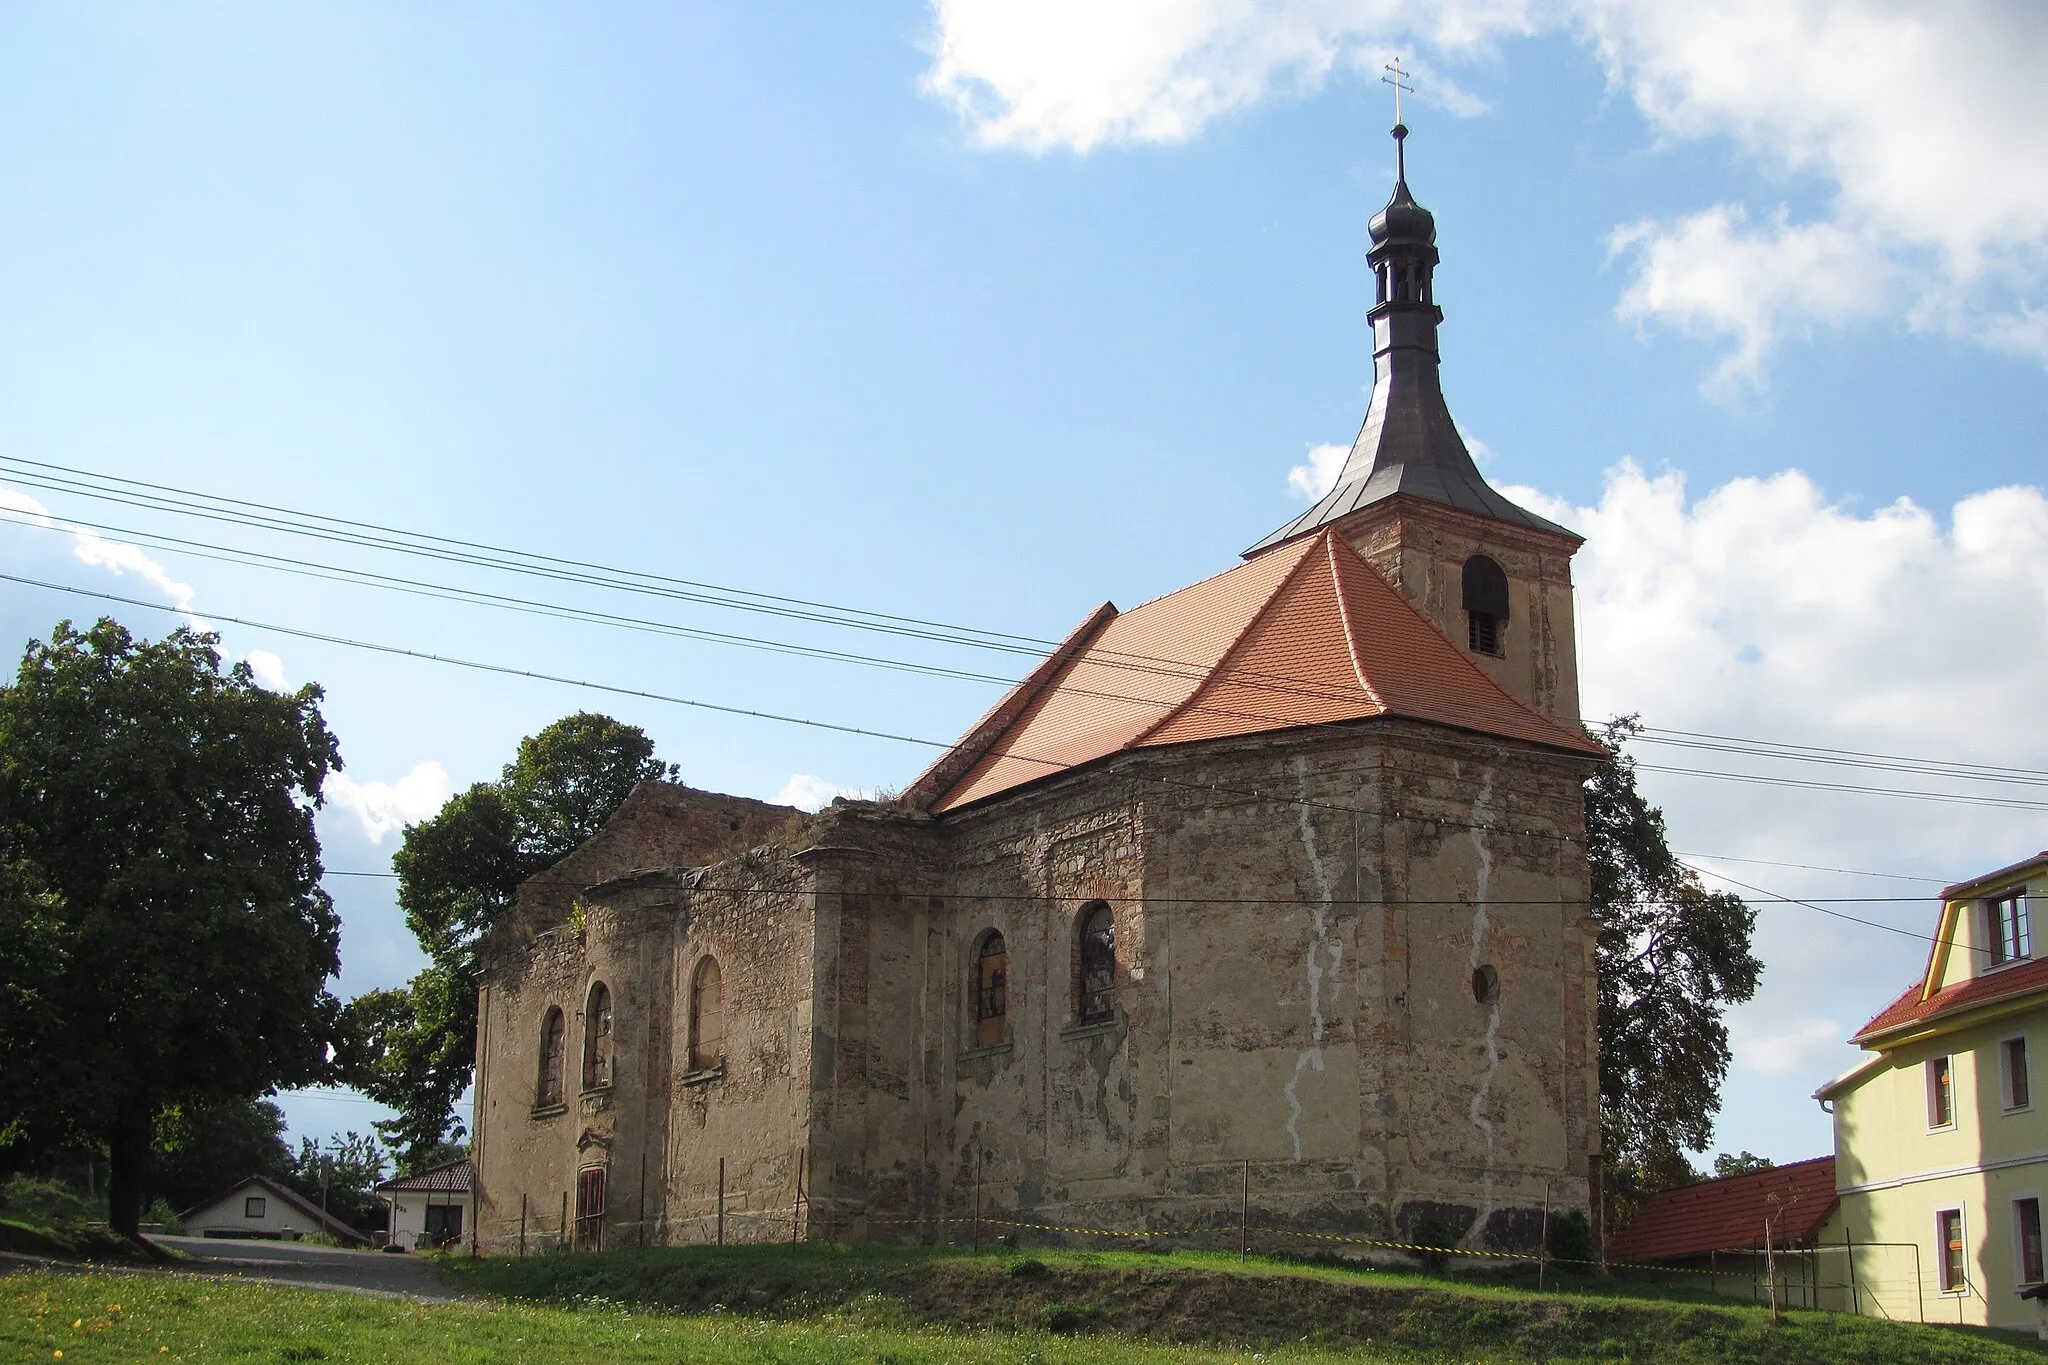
(1941, 1153)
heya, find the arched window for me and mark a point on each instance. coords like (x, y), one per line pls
(554, 1036)
(707, 1016)
(991, 990)
(1098, 963)
(597, 1038)
(1486, 604)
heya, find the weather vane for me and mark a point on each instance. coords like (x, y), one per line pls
(1398, 75)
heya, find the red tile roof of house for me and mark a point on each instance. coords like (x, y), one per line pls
(1307, 634)
(1729, 1213)
(454, 1177)
(1909, 1008)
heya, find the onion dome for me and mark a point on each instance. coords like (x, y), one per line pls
(1402, 220)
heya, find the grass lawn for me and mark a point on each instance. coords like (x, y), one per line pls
(832, 1304)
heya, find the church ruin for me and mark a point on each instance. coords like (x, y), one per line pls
(1272, 891)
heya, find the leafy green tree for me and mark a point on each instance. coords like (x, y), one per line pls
(341, 1175)
(202, 1149)
(1748, 1163)
(165, 806)
(1673, 956)
(458, 874)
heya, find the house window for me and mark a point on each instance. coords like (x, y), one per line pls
(1098, 963)
(590, 1208)
(1941, 1093)
(991, 990)
(1948, 1251)
(2005, 922)
(2026, 1231)
(2012, 1058)
(1486, 604)
(554, 1036)
(254, 1206)
(707, 1016)
(597, 1038)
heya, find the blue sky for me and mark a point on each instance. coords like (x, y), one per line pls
(987, 312)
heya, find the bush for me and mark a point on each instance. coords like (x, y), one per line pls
(1068, 1317)
(1027, 1269)
(1571, 1236)
(162, 1213)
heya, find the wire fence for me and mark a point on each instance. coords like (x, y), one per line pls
(1876, 1279)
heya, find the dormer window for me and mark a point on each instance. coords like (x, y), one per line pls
(1486, 606)
(2005, 924)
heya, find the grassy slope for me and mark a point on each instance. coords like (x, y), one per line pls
(66, 1243)
(1211, 1300)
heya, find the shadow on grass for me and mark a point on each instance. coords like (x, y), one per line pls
(1197, 1298)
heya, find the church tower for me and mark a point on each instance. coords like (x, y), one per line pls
(1493, 576)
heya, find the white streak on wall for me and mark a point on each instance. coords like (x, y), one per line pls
(1482, 815)
(1325, 954)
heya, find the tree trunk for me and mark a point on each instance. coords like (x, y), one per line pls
(127, 1163)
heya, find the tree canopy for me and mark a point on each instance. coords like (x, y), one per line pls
(1673, 956)
(157, 849)
(414, 1048)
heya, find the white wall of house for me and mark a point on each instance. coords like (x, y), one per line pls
(250, 1210)
(409, 1216)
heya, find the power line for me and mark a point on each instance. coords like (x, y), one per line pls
(1953, 798)
(1836, 914)
(1810, 867)
(163, 497)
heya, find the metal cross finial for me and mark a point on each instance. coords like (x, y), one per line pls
(1398, 75)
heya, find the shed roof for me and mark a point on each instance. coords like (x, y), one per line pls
(1307, 634)
(1729, 1213)
(450, 1177)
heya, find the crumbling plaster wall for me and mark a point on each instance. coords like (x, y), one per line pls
(623, 909)
(1299, 923)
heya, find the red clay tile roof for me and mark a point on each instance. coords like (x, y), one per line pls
(1909, 1008)
(453, 1178)
(1725, 1214)
(1306, 634)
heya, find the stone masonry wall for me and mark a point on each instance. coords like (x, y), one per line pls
(1300, 924)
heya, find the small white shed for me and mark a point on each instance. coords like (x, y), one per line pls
(433, 1208)
(260, 1207)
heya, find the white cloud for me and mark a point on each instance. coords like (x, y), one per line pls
(90, 547)
(1319, 475)
(1918, 126)
(387, 807)
(269, 670)
(1786, 1051)
(1039, 75)
(1713, 274)
(1764, 609)
(806, 792)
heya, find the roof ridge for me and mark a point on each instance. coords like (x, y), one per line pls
(1220, 671)
(1568, 738)
(952, 767)
(1350, 628)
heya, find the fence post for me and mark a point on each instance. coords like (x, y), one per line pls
(1771, 1269)
(1543, 1240)
(1244, 1214)
(977, 1196)
(796, 1206)
(1855, 1295)
(563, 1237)
(642, 1220)
(522, 1223)
(721, 1201)
(1919, 1285)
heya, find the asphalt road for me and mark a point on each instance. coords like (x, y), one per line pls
(312, 1267)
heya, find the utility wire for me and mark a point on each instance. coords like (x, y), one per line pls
(373, 535)
(558, 611)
